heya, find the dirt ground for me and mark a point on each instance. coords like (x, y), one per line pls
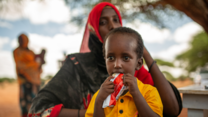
(9, 101)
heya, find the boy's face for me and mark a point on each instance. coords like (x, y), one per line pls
(120, 54)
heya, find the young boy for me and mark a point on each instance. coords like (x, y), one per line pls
(123, 50)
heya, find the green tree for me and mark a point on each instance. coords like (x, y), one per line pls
(167, 74)
(3, 79)
(197, 55)
(158, 12)
(164, 63)
(151, 11)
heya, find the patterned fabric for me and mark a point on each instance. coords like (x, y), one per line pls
(127, 107)
(72, 86)
(26, 67)
(27, 93)
(50, 112)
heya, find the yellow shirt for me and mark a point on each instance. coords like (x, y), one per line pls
(125, 106)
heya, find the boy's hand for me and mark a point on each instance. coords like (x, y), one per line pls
(131, 82)
(106, 89)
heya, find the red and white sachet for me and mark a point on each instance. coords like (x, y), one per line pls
(110, 101)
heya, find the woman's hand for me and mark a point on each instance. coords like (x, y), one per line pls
(131, 82)
(106, 89)
(145, 52)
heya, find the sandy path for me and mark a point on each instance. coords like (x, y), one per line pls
(9, 101)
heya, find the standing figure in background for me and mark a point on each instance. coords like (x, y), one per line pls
(28, 73)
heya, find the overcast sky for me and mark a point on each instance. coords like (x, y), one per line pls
(47, 26)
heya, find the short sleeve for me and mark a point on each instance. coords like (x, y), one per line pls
(90, 109)
(153, 99)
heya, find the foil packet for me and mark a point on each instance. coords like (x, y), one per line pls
(110, 101)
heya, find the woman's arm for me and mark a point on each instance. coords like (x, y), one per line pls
(62, 89)
(72, 112)
(167, 95)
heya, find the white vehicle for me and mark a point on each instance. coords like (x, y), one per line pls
(202, 76)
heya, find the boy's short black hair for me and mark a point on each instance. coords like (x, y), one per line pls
(130, 32)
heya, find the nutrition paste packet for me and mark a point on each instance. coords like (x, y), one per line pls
(110, 101)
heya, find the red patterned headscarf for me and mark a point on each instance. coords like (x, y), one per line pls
(93, 24)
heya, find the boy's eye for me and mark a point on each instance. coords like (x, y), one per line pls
(126, 58)
(111, 58)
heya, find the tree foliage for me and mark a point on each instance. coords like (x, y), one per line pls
(156, 12)
(10, 80)
(197, 10)
(164, 63)
(197, 55)
(169, 76)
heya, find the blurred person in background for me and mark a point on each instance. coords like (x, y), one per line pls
(28, 73)
(69, 92)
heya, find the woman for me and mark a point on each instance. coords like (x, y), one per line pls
(28, 73)
(69, 92)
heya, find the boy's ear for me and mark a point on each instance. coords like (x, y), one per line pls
(139, 63)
